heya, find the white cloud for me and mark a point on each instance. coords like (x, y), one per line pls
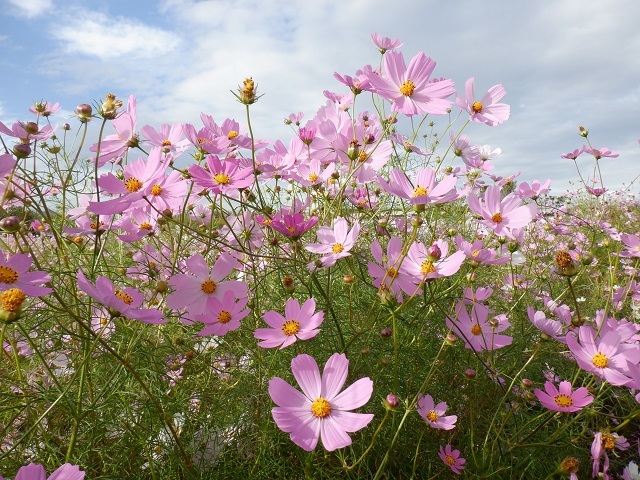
(108, 38)
(31, 8)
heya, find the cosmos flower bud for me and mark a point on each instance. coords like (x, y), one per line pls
(354, 149)
(386, 332)
(470, 373)
(526, 383)
(84, 110)
(450, 339)
(391, 401)
(10, 224)
(583, 132)
(348, 279)
(434, 253)
(66, 126)
(21, 150)
(31, 128)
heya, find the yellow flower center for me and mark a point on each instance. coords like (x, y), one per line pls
(450, 460)
(96, 225)
(562, 400)
(8, 274)
(224, 317)
(290, 327)
(476, 107)
(221, 178)
(145, 226)
(133, 184)
(476, 330)
(432, 416)
(320, 407)
(125, 297)
(208, 286)
(292, 230)
(337, 248)
(600, 360)
(362, 156)
(475, 253)
(392, 272)
(156, 190)
(313, 177)
(570, 465)
(11, 300)
(497, 217)
(420, 192)
(563, 258)
(608, 441)
(166, 143)
(427, 267)
(232, 134)
(407, 88)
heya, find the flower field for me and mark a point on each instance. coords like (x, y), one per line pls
(361, 300)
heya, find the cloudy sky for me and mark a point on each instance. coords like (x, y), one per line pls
(563, 63)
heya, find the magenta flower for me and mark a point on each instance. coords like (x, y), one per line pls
(335, 242)
(125, 302)
(475, 329)
(194, 289)
(424, 190)
(409, 88)
(14, 273)
(44, 108)
(387, 273)
(299, 322)
(632, 244)
(222, 316)
(485, 110)
(607, 356)
(534, 190)
(221, 176)
(599, 153)
(293, 225)
(554, 328)
(429, 263)
(452, 459)
(320, 410)
(434, 414)
(170, 138)
(563, 399)
(385, 43)
(141, 179)
(603, 443)
(34, 471)
(501, 215)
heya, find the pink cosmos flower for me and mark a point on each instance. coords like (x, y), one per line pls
(409, 88)
(452, 459)
(170, 138)
(485, 110)
(141, 179)
(632, 244)
(221, 176)
(7, 164)
(475, 329)
(385, 43)
(222, 316)
(501, 215)
(320, 410)
(293, 225)
(607, 356)
(563, 399)
(554, 328)
(194, 289)
(434, 414)
(429, 263)
(44, 108)
(603, 443)
(14, 273)
(573, 155)
(335, 243)
(387, 273)
(125, 302)
(534, 190)
(478, 254)
(299, 323)
(424, 190)
(599, 153)
(34, 471)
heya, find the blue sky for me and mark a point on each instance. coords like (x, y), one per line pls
(563, 63)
